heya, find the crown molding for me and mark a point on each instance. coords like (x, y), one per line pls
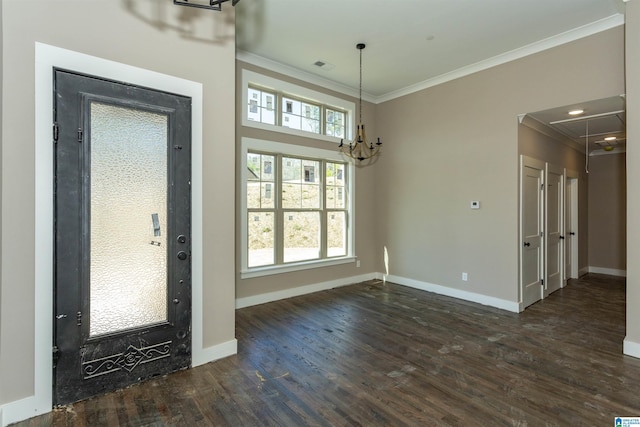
(548, 43)
(296, 73)
(604, 24)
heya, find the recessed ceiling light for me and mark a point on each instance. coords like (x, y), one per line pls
(610, 138)
(576, 112)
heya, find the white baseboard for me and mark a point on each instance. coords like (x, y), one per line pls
(302, 290)
(631, 348)
(215, 352)
(424, 286)
(608, 271)
(457, 293)
(20, 410)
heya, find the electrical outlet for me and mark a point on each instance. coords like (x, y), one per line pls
(465, 277)
(357, 263)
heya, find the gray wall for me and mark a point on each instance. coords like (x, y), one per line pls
(607, 212)
(633, 172)
(457, 142)
(2, 398)
(131, 33)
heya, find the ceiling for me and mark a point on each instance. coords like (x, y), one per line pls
(414, 44)
(602, 118)
(409, 43)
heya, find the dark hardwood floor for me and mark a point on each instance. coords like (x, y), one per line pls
(384, 354)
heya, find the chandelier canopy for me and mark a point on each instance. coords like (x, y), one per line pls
(213, 4)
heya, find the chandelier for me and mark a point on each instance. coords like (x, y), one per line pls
(360, 148)
(213, 4)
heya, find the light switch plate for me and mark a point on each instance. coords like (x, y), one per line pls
(475, 204)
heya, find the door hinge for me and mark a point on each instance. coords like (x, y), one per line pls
(541, 187)
(56, 354)
(56, 130)
(542, 282)
(79, 134)
(79, 318)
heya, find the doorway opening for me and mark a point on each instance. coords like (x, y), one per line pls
(47, 58)
(587, 141)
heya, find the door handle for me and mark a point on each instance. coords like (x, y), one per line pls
(572, 233)
(182, 255)
(527, 244)
(561, 237)
(156, 224)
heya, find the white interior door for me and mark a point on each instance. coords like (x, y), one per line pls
(571, 228)
(531, 212)
(554, 229)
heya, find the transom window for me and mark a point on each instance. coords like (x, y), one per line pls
(294, 113)
(262, 107)
(297, 209)
(283, 107)
(301, 115)
(335, 123)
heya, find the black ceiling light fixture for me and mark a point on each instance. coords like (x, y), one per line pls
(360, 148)
(213, 4)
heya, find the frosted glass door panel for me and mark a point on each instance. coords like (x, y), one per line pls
(128, 229)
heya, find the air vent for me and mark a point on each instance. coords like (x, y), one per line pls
(324, 65)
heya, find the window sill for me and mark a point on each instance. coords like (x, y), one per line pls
(298, 266)
(290, 131)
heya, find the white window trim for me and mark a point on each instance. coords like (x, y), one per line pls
(299, 92)
(260, 145)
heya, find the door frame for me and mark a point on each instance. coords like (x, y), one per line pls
(50, 57)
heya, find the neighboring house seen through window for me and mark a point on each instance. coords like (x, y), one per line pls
(297, 208)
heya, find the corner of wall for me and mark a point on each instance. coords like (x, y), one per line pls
(1, 180)
(215, 352)
(632, 39)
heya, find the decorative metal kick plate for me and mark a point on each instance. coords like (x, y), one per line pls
(128, 360)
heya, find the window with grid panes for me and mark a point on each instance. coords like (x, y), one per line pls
(291, 112)
(300, 115)
(334, 123)
(261, 106)
(297, 209)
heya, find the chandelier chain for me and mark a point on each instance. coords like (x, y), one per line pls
(360, 108)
